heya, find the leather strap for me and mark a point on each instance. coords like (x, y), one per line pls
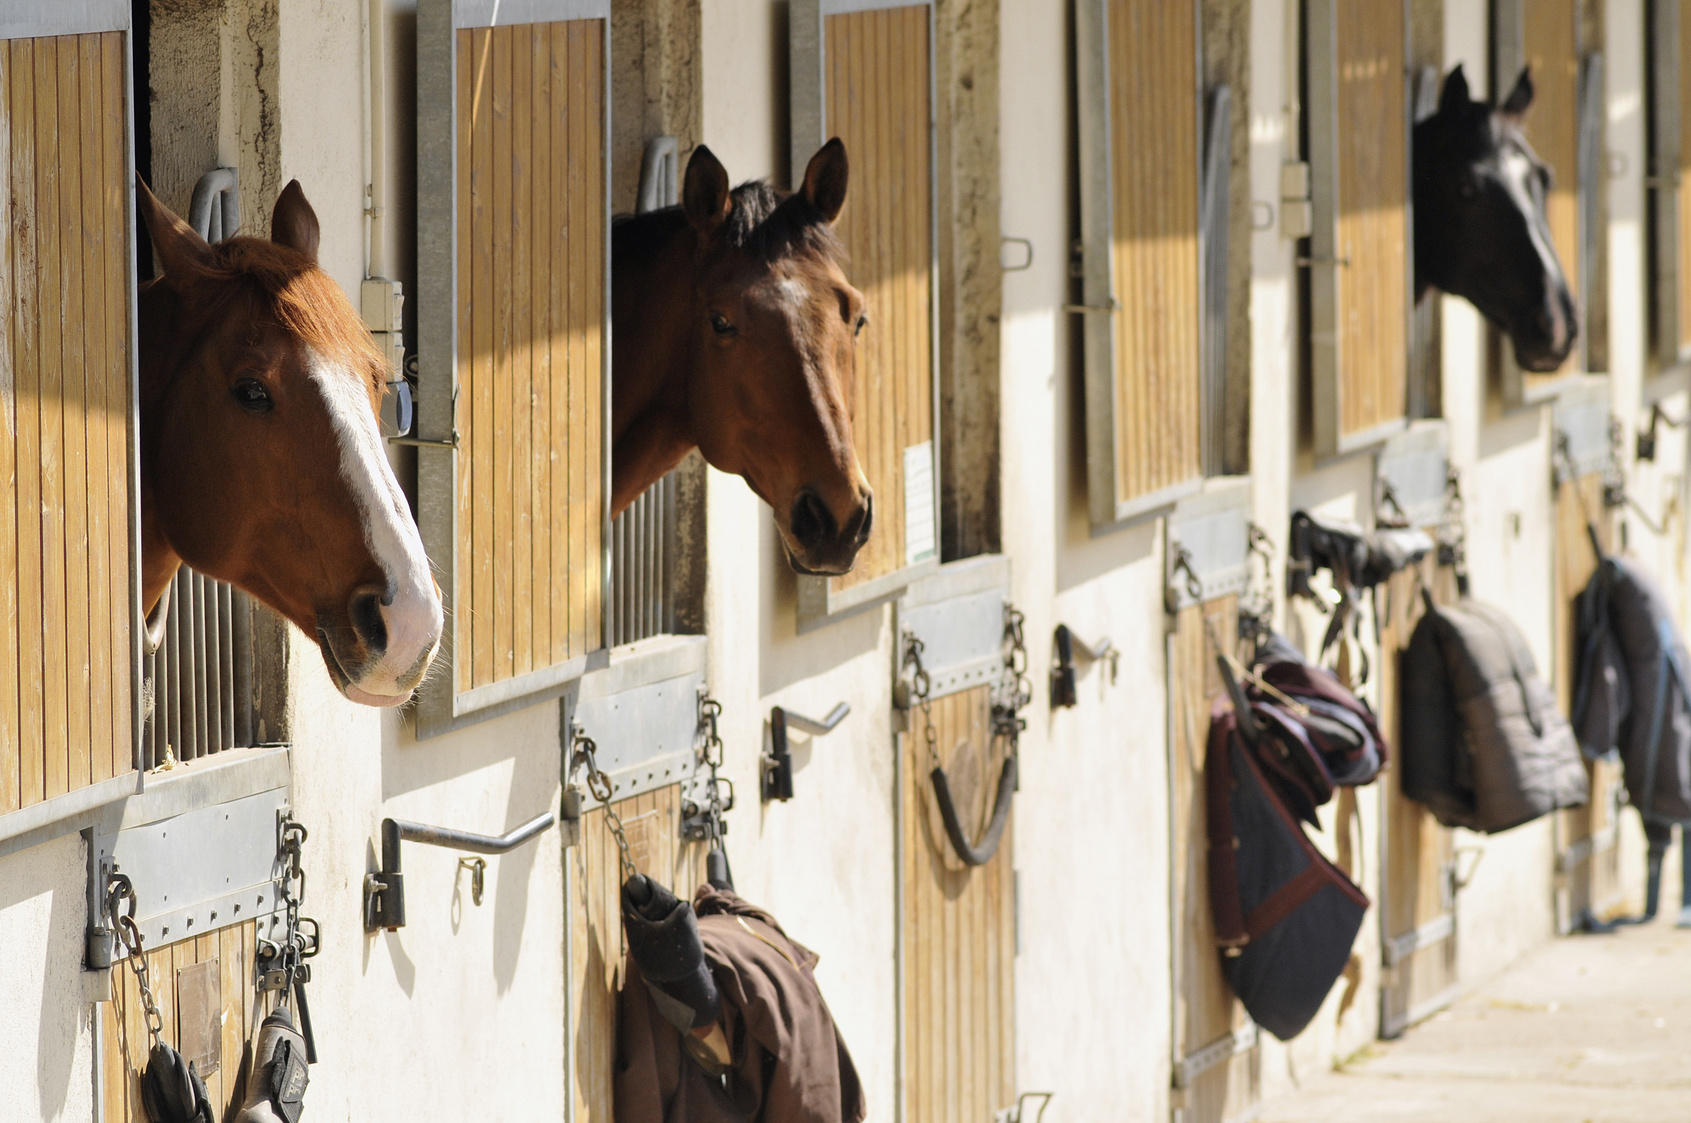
(1230, 931)
(980, 852)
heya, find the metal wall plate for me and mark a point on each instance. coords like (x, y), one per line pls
(642, 713)
(1582, 413)
(201, 870)
(1214, 528)
(1416, 466)
(958, 614)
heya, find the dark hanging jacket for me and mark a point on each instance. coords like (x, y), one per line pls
(788, 1065)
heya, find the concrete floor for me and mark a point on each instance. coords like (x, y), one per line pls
(1589, 1029)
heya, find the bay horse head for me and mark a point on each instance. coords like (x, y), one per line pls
(1480, 226)
(734, 331)
(262, 463)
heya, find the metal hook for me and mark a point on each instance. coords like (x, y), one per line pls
(478, 870)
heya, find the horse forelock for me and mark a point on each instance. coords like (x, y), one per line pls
(772, 223)
(303, 300)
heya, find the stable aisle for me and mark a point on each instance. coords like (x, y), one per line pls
(1588, 1029)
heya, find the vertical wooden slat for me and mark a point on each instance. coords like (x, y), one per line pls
(538, 608)
(483, 314)
(103, 630)
(73, 434)
(563, 327)
(523, 338)
(26, 328)
(10, 732)
(1154, 153)
(467, 385)
(594, 499)
(1550, 46)
(115, 420)
(504, 359)
(49, 157)
(581, 283)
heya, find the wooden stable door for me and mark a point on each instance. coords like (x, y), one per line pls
(206, 992)
(1141, 109)
(1418, 905)
(595, 953)
(865, 75)
(1669, 44)
(66, 599)
(1359, 252)
(1588, 878)
(514, 363)
(1217, 1060)
(958, 929)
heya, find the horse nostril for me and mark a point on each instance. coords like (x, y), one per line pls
(811, 522)
(861, 522)
(364, 611)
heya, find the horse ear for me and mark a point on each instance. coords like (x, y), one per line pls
(183, 253)
(704, 194)
(294, 223)
(1454, 95)
(1515, 105)
(825, 179)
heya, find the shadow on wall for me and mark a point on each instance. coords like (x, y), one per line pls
(47, 881)
(529, 739)
(785, 656)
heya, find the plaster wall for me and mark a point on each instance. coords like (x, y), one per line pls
(46, 1016)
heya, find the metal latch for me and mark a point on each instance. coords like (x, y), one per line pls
(384, 890)
(778, 764)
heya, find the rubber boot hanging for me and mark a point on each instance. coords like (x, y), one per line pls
(276, 1084)
(171, 1088)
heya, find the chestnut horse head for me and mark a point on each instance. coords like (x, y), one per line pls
(262, 463)
(733, 332)
(1480, 226)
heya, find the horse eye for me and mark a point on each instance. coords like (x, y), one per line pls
(252, 396)
(857, 328)
(719, 324)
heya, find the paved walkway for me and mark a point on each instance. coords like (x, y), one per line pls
(1589, 1029)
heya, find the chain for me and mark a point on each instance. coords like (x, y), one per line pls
(1256, 614)
(921, 686)
(711, 756)
(1016, 690)
(282, 961)
(599, 785)
(118, 890)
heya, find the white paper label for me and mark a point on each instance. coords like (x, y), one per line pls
(919, 503)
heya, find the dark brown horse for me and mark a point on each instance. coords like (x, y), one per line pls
(261, 460)
(733, 327)
(1480, 226)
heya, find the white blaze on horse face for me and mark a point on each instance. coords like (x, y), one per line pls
(1518, 172)
(413, 618)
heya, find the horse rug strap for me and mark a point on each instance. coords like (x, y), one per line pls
(276, 1084)
(171, 1089)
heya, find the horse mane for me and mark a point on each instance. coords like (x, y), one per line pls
(768, 222)
(304, 300)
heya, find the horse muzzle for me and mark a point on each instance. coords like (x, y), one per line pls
(381, 652)
(821, 545)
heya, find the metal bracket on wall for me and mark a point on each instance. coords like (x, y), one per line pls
(384, 890)
(1065, 645)
(1208, 545)
(778, 762)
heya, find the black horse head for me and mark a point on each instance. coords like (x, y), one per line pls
(1480, 228)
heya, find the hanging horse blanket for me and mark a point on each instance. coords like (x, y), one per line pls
(1631, 694)
(786, 1062)
(1483, 743)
